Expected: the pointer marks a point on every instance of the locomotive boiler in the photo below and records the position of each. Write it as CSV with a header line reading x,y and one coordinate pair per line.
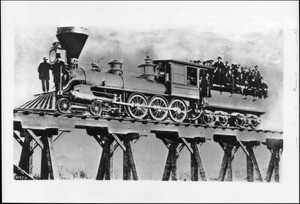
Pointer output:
x,y
166,89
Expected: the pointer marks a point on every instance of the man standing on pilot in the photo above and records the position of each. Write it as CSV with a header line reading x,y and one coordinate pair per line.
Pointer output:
x,y
43,71
58,71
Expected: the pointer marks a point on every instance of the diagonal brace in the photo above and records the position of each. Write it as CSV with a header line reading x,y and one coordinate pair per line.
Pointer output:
x,y
119,141
35,138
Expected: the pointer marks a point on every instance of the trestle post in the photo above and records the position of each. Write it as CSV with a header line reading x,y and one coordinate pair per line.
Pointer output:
x,y
229,143
109,143
275,146
26,158
105,170
49,168
230,146
252,165
171,163
196,162
175,144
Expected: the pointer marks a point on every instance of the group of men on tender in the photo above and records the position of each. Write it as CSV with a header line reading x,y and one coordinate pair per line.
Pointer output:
x,y
237,77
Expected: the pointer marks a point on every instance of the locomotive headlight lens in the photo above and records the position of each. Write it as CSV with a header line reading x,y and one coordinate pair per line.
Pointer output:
x,y
52,56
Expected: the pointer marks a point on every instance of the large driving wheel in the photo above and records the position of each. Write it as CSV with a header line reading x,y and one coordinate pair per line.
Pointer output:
x,y
137,108
177,110
158,110
63,105
96,108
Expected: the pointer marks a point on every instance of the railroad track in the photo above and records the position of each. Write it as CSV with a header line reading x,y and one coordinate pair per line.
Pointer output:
x,y
55,113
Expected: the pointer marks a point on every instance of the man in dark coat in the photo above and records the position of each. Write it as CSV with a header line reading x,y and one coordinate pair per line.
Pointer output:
x,y
264,88
205,86
58,71
43,71
219,73
230,78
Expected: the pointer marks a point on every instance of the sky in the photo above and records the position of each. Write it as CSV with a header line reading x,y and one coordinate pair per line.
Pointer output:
x,y
248,33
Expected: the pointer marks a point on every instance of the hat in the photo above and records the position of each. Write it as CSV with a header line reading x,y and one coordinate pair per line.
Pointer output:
x,y
255,66
219,57
45,58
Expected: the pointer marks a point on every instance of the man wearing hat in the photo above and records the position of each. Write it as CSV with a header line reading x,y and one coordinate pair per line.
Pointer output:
x,y
43,70
58,71
219,72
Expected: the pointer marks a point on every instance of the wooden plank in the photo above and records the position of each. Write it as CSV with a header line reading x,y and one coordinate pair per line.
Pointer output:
x,y
126,166
131,161
250,173
168,166
187,145
48,101
116,146
236,148
35,138
18,138
270,169
276,165
109,163
52,159
223,168
43,105
101,168
30,103
118,141
254,162
44,161
229,162
37,102
165,142
199,162
181,147
25,104
98,140
194,166
40,105
243,148
174,161
60,134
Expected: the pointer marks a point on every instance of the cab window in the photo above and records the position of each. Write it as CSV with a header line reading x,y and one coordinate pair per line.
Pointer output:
x,y
191,76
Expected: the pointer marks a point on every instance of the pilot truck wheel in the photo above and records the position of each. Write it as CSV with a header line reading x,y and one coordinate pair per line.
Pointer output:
x,y
63,105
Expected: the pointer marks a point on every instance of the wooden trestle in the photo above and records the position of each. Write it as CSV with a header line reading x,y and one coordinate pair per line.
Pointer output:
x,y
42,129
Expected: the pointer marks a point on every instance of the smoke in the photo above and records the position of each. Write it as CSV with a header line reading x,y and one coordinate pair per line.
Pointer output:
x,y
262,48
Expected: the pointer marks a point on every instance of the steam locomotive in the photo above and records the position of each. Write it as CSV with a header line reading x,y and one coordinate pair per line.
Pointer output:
x,y
167,89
